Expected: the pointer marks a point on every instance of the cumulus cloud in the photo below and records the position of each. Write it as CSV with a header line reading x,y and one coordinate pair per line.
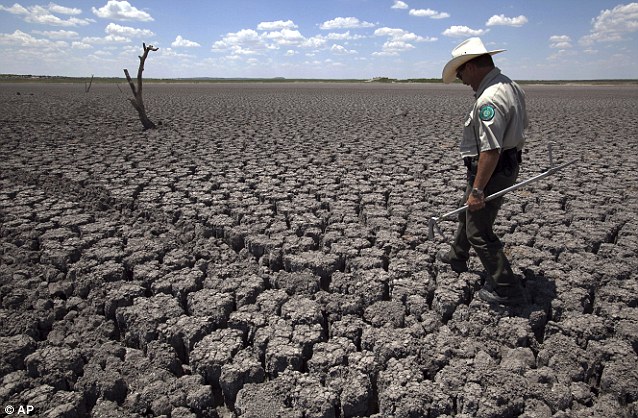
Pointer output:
x,y
501,20
184,43
16,9
562,55
463,31
121,10
560,42
242,43
345,36
613,25
285,37
393,48
58,34
19,38
345,23
314,42
245,37
399,40
397,34
127,32
252,42
45,14
106,40
341,50
80,45
398,4
277,25
56,8
115,34
432,14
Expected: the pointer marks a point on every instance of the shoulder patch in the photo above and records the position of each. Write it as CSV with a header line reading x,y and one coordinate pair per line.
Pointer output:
x,y
486,112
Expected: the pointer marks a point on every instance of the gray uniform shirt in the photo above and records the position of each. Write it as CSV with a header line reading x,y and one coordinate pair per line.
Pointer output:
x,y
497,119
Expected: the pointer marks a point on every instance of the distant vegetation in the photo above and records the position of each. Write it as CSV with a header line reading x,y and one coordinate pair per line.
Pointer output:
x,y
62,79
382,80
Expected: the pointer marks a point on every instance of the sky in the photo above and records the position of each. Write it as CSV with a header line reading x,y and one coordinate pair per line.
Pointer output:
x,y
327,39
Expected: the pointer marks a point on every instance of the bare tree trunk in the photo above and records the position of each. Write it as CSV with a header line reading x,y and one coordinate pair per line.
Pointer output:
x,y
87,88
137,101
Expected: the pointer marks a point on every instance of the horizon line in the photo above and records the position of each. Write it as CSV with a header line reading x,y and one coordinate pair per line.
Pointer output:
x,y
34,77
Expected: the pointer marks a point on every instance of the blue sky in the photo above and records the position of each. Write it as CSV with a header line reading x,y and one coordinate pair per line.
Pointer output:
x,y
545,39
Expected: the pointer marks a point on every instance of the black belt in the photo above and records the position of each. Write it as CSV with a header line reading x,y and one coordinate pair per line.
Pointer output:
x,y
508,158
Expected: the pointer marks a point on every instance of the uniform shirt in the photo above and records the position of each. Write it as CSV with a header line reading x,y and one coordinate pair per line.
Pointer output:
x,y
498,117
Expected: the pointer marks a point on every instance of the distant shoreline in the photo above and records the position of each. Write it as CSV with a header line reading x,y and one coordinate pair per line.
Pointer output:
x,y
16,78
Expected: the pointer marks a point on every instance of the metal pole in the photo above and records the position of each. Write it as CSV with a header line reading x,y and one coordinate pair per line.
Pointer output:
x,y
432,224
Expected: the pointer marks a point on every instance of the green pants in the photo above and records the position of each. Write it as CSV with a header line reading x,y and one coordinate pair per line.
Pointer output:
x,y
475,230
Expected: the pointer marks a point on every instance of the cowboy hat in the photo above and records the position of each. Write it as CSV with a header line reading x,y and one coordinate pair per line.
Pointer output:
x,y
464,52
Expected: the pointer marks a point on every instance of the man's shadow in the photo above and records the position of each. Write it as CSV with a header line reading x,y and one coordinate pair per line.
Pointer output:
x,y
540,290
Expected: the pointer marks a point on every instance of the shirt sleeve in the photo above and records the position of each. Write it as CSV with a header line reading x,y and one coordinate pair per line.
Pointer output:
x,y
491,125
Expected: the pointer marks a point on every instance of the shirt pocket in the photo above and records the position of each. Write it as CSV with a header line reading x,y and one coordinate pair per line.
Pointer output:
x,y
468,144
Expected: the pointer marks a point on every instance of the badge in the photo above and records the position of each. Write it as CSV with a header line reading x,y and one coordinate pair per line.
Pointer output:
x,y
486,113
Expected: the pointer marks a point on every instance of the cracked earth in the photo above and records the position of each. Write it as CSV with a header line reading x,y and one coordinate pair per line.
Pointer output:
x,y
264,253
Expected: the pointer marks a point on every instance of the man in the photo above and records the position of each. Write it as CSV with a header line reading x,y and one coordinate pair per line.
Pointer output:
x,y
491,150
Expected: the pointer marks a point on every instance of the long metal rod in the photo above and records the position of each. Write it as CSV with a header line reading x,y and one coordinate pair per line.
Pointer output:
x,y
551,170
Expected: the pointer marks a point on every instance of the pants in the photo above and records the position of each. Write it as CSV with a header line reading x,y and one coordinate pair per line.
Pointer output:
x,y
475,230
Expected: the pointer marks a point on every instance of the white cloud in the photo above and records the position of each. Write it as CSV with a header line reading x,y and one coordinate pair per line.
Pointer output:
x,y
243,42
107,40
102,53
276,25
501,20
399,40
314,42
44,14
394,48
341,50
345,36
396,34
345,23
22,39
285,37
245,36
121,10
562,55
127,32
291,53
463,31
560,42
115,34
183,43
169,53
398,4
58,34
613,25
55,8
433,14
80,45
250,42
16,9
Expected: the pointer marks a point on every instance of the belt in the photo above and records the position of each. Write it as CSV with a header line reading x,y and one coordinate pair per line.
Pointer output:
x,y
507,157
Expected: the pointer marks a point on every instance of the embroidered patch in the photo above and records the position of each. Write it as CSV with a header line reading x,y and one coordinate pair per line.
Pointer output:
x,y
486,113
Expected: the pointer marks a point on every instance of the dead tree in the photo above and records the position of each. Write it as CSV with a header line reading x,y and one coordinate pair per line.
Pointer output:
x,y
137,101
88,87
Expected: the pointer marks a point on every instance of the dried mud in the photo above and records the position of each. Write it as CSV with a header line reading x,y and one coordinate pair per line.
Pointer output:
x,y
264,253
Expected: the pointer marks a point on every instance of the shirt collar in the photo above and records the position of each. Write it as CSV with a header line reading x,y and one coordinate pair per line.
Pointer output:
x,y
487,81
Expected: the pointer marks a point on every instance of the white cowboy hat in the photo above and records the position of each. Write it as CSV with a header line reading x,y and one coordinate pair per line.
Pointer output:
x,y
465,51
